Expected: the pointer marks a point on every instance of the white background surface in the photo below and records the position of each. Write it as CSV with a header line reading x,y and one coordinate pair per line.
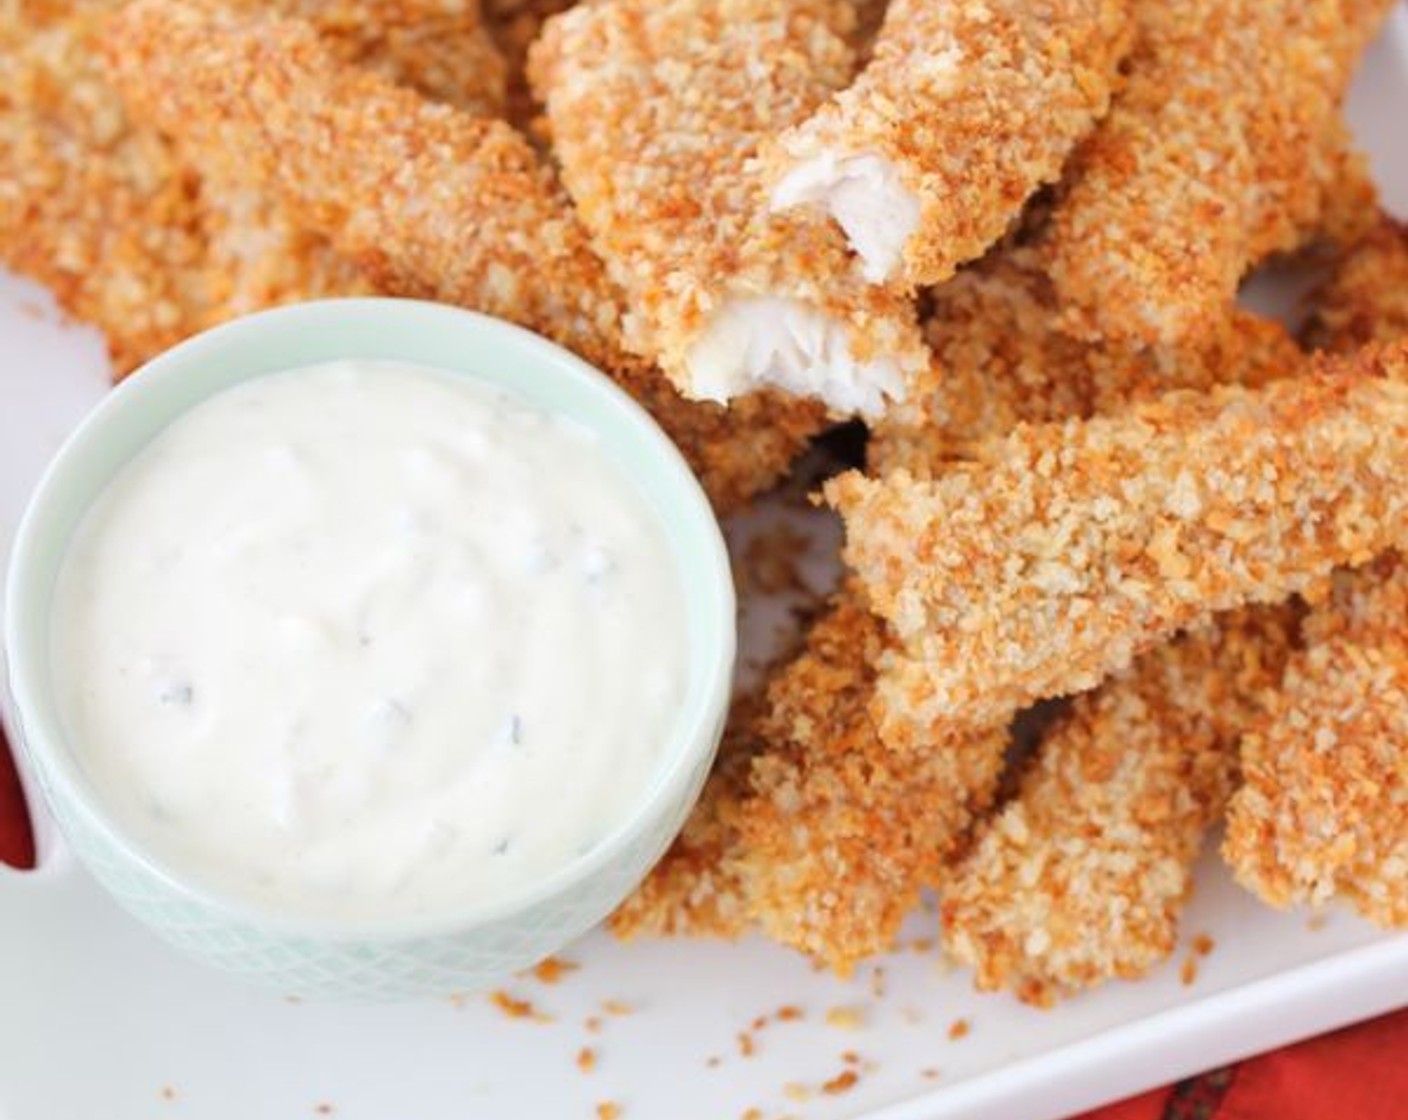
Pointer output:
x,y
99,1021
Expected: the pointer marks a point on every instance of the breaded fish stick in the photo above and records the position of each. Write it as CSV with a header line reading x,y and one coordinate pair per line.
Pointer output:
x,y
837,833
1065,550
129,237
1365,299
432,201
966,108
656,108
1211,158
1324,807
429,200
1082,876
1000,360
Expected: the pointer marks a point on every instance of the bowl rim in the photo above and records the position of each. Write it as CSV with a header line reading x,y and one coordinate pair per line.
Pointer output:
x,y
693,737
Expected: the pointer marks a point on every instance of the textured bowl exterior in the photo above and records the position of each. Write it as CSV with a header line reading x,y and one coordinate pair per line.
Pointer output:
x,y
371,969
392,959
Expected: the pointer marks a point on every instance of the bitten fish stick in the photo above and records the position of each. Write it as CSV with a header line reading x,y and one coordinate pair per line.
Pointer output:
x,y
429,200
1065,550
656,108
838,833
1082,876
1212,157
966,108
1324,807
1000,359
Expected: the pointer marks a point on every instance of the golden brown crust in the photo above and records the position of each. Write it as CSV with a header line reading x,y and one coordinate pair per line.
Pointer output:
x,y
1365,299
1213,156
976,103
1063,551
656,108
1324,809
838,834
1000,360
1082,876
441,48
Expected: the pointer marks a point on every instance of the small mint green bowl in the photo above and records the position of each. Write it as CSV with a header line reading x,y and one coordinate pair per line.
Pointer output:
x,y
395,956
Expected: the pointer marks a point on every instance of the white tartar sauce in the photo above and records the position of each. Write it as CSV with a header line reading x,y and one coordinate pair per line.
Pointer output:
x,y
369,639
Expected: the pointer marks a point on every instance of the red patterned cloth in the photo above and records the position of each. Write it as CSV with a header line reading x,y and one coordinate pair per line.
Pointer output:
x,y
1358,1073
16,843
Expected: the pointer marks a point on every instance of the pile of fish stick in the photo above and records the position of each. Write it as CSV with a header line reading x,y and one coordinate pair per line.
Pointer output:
x,y
1005,238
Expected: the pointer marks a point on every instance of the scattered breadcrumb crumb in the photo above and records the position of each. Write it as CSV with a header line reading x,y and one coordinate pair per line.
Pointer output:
x,y
796,1091
586,1059
843,1082
551,970
849,1018
1203,944
746,1046
929,1074
1188,971
958,1029
168,1093
608,1110
516,1008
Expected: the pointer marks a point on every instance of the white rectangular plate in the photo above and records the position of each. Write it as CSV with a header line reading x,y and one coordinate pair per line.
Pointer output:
x,y
98,1020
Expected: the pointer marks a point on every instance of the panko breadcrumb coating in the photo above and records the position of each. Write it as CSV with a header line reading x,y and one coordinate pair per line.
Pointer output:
x,y
837,833
1065,550
1324,807
656,108
442,48
966,108
429,200
1082,876
1365,299
1000,360
1212,157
